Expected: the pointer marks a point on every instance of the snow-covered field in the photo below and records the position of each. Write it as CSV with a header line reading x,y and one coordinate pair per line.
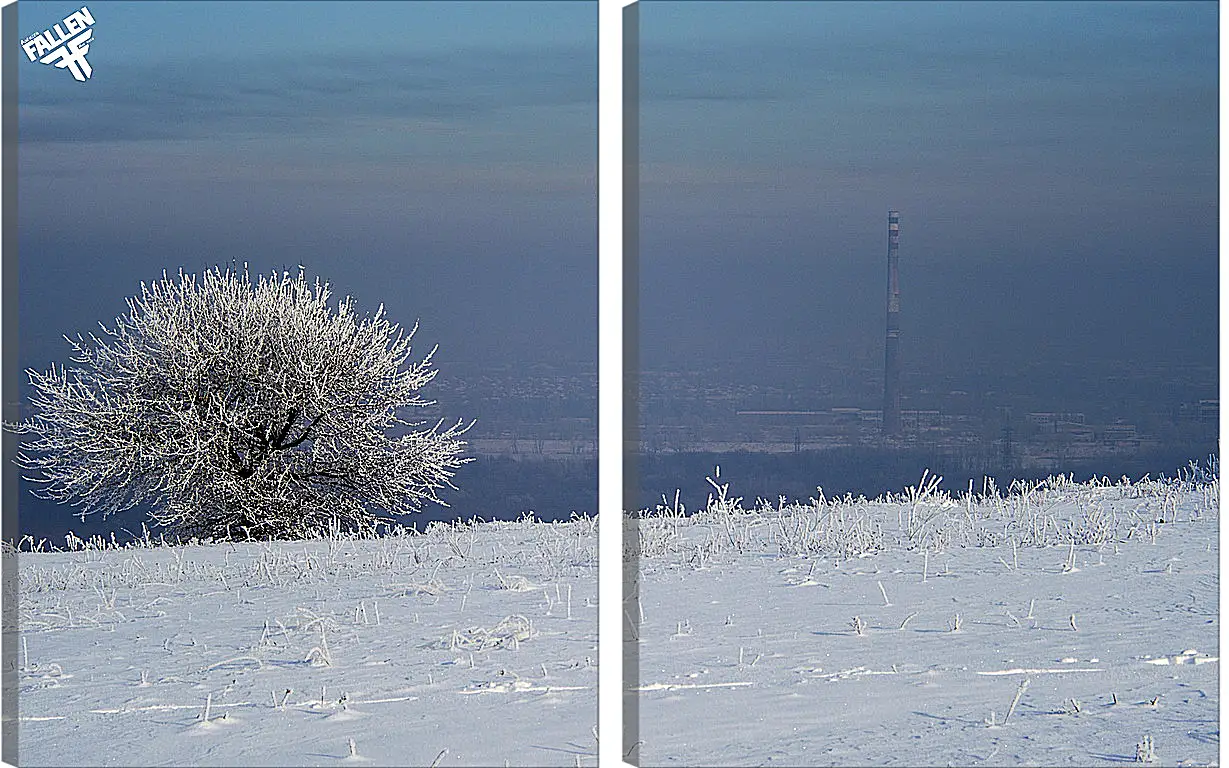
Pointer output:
x,y
465,645
1054,624
900,631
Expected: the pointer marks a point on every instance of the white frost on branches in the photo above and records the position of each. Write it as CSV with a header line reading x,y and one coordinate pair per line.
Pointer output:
x,y
235,408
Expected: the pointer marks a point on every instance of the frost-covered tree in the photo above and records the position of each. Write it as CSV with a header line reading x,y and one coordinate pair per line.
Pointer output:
x,y
236,408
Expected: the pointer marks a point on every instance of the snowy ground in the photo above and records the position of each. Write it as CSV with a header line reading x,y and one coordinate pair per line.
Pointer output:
x,y
466,645
842,632
826,634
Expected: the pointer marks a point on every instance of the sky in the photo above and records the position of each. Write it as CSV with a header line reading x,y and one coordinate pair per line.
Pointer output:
x,y
439,157
1055,165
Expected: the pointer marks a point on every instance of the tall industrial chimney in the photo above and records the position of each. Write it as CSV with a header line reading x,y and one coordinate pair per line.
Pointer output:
x,y
891,367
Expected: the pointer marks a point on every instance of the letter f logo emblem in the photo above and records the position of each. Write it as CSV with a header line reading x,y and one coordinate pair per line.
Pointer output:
x,y
71,55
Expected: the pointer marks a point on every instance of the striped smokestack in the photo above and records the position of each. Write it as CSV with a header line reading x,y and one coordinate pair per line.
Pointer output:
x,y
891,368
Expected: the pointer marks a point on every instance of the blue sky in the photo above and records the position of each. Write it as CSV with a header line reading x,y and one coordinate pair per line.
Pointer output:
x,y
439,157
1055,165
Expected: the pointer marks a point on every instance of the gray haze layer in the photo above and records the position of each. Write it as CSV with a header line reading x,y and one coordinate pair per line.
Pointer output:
x,y
437,157
1055,165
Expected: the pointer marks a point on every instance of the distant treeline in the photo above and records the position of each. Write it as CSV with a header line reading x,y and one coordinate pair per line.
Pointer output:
x,y
489,488
501,488
869,472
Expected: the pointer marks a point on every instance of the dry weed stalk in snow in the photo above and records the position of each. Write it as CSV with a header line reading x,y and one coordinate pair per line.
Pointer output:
x,y
1145,751
925,519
